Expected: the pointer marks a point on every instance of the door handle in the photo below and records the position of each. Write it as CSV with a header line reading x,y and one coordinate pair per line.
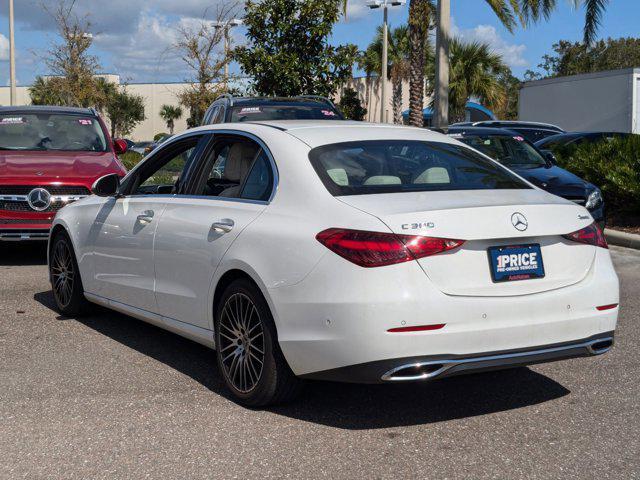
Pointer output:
x,y
146,216
223,226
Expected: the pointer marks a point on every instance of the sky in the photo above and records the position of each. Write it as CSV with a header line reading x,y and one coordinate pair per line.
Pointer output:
x,y
134,38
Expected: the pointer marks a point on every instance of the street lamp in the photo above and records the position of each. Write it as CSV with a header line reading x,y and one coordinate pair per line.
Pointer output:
x,y
384,4
234,22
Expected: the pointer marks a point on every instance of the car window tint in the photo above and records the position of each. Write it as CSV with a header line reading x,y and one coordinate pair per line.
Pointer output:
x,y
252,113
259,181
227,168
390,166
44,131
168,170
510,151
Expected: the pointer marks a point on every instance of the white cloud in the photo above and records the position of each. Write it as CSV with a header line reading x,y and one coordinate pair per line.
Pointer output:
x,y
512,54
146,53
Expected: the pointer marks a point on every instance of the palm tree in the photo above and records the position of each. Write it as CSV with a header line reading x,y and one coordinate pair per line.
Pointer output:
x,y
474,71
509,12
368,61
169,114
398,58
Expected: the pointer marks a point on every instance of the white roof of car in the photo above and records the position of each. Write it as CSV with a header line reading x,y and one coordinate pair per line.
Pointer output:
x,y
322,132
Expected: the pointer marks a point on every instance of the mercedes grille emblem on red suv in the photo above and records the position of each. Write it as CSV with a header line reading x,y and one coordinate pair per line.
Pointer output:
x,y
39,199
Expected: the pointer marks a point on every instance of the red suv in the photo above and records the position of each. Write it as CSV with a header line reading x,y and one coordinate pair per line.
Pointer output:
x,y
49,157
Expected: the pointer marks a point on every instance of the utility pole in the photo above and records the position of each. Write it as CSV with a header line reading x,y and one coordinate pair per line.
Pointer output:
x,y
441,103
384,4
12,57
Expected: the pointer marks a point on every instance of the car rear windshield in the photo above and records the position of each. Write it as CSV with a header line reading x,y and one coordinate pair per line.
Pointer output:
x,y
51,131
510,151
252,113
391,166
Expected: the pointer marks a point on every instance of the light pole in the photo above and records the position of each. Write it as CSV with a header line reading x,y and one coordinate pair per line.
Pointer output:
x,y
12,57
234,22
441,101
384,4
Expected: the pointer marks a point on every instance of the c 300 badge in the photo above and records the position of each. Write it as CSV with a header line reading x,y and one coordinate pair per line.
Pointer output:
x,y
417,226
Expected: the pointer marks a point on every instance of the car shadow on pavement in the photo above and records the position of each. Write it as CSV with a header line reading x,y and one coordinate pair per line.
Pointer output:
x,y
345,406
23,253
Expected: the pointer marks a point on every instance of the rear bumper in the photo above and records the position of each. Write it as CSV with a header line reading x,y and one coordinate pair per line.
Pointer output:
x,y
332,322
433,367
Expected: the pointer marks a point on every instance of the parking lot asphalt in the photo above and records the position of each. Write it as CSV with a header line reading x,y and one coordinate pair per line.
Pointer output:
x,y
107,396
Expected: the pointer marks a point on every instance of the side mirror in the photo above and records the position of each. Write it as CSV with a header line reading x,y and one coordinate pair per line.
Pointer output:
x,y
119,146
106,186
551,158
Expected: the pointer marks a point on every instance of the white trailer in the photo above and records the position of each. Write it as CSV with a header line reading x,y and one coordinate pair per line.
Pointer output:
x,y
603,101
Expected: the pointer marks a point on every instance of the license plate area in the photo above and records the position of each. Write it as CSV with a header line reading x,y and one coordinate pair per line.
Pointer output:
x,y
510,263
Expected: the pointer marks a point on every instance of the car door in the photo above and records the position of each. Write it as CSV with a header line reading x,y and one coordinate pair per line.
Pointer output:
x,y
124,229
233,184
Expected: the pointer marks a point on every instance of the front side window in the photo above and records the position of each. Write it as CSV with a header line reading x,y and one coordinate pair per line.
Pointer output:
x,y
163,172
510,151
51,131
391,166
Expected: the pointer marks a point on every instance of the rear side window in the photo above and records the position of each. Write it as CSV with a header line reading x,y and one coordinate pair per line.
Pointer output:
x,y
391,166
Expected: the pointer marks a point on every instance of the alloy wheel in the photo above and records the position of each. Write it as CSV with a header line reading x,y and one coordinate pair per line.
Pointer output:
x,y
62,273
242,344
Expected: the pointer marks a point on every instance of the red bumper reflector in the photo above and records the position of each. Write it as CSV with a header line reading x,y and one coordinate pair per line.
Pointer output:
x,y
417,328
607,307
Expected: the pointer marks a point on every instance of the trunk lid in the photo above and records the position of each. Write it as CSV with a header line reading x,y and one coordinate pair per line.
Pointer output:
x,y
483,218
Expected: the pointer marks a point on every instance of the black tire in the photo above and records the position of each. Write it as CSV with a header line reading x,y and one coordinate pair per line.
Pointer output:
x,y
240,345
64,276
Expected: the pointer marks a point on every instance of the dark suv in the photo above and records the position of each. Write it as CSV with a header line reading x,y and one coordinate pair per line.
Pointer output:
x,y
532,131
228,108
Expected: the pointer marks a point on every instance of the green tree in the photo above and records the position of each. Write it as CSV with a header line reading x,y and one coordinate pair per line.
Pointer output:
x,y
474,71
170,113
70,59
289,51
509,12
47,91
201,46
507,107
351,106
124,111
369,62
421,20
398,63
572,58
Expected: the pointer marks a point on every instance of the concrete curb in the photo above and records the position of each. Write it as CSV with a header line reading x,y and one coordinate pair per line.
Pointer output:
x,y
622,239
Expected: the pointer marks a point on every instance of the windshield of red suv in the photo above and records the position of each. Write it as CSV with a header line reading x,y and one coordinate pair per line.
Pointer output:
x,y
252,113
51,131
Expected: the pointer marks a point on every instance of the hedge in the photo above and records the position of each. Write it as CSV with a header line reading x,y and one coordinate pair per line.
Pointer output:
x,y
130,159
612,165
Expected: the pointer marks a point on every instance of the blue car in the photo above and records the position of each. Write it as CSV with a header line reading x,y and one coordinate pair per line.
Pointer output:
x,y
515,152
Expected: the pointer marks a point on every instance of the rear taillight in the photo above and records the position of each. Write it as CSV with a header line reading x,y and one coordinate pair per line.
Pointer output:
x,y
376,249
591,235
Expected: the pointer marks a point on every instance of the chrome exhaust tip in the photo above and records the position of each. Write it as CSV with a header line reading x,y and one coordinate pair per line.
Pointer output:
x,y
416,371
429,370
598,347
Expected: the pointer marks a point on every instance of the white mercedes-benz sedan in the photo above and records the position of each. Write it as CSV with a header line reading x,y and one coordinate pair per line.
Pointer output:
x,y
339,251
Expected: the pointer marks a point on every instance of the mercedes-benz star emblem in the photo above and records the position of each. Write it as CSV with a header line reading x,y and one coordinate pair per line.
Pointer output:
x,y
39,199
519,221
